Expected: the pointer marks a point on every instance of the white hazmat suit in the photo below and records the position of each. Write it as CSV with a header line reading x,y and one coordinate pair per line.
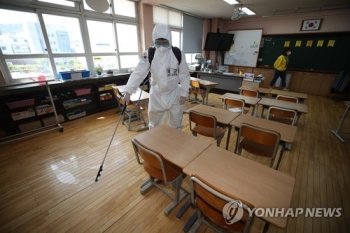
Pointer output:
x,y
169,81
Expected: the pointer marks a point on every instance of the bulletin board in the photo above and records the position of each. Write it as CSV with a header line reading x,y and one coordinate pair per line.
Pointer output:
x,y
244,49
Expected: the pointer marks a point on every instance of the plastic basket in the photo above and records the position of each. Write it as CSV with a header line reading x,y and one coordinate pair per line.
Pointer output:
x,y
82,91
21,103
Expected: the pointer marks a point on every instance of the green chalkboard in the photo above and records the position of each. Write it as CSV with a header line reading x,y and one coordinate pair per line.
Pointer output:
x,y
322,58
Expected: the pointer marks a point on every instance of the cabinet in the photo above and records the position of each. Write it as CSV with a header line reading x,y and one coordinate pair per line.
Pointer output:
x,y
27,107
31,111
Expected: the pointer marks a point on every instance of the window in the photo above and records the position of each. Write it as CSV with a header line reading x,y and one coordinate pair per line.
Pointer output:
x,y
125,8
73,39
100,43
175,36
21,36
127,38
164,16
59,2
68,34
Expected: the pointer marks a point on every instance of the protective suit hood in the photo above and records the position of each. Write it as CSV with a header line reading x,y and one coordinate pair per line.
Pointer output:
x,y
162,31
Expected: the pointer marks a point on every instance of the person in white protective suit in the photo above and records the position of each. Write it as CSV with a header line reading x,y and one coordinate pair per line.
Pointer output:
x,y
169,82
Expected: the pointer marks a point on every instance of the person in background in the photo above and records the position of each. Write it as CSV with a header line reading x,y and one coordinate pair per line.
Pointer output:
x,y
280,66
170,81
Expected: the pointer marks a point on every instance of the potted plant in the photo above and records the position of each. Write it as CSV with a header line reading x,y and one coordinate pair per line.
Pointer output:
x,y
99,69
110,72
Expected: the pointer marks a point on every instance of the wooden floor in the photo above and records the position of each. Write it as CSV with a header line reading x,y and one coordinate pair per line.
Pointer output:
x,y
47,182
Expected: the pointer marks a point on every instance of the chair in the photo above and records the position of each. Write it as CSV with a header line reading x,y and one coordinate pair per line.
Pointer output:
x,y
211,206
160,170
133,111
205,125
283,115
234,105
249,92
258,141
287,98
195,89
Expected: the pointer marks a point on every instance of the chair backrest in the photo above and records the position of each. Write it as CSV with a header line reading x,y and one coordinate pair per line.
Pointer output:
x,y
119,96
213,204
208,122
154,164
283,115
287,98
195,84
249,92
202,119
259,141
236,104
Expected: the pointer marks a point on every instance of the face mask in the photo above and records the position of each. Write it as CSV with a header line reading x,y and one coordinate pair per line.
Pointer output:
x,y
289,53
162,49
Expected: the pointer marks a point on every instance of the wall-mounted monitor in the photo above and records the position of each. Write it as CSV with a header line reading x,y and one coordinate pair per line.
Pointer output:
x,y
218,41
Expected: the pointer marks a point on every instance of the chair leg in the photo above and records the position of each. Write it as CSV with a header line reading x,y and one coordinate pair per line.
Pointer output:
x,y
197,224
147,185
194,133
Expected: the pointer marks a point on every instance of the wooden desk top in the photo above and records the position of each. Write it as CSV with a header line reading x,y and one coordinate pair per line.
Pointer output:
x,y
222,116
259,89
248,99
287,131
177,147
289,93
245,180
205,82
134,97
301,108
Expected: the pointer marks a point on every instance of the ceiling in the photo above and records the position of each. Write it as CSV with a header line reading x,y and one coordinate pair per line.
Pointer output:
x,y
220,9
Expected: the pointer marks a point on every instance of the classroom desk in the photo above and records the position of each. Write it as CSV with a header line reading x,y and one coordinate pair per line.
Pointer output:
x,y
298,95
287,132
261,90
177,147
208,85
245,180
247,99
347,103
223,117
299,108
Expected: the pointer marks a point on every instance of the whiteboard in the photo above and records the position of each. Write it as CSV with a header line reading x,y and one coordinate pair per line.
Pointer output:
x,y
244,49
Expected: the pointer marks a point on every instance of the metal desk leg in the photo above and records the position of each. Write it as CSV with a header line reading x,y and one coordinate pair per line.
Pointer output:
x,y
236,146
281,154
228,136
340,124
191,221
266,227
183,208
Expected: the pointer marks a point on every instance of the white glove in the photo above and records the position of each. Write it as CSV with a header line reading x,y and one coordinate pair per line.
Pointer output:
x,y
126,98
182,100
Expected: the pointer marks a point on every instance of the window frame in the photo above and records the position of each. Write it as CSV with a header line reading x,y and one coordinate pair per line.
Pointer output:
x,y
40,8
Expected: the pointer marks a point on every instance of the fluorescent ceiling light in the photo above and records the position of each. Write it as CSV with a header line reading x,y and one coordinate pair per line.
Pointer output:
x,y
231,2
247,11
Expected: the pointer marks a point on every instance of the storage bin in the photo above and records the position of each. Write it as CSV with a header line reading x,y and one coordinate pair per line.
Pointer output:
x,y
43,109
76,114
47,121
74,75
23,114
82,91
21,103
30,126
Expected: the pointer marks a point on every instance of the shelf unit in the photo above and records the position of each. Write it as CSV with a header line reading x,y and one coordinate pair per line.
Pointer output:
x,y
54,94
18,114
